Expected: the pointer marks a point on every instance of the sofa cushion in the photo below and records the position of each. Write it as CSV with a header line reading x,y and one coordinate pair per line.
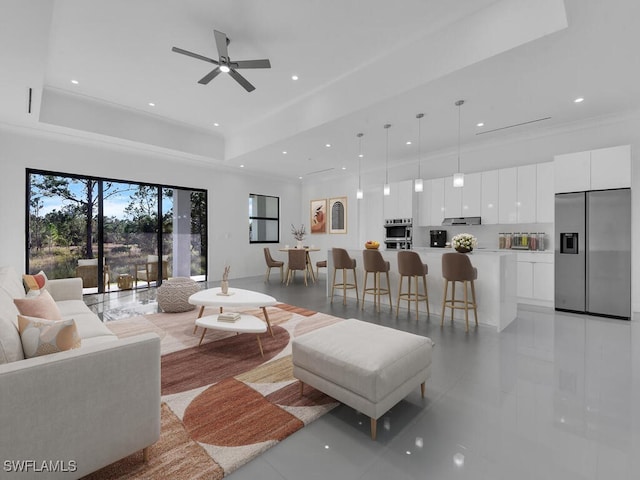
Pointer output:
x,y
11,283
34,283
42,306
42,337
10,343
89,325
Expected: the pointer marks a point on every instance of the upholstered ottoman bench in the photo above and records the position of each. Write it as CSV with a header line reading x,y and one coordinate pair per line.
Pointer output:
x,y
365,366
173,295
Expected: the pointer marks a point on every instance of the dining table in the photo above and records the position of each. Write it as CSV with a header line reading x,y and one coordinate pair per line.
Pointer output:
x,y
309,264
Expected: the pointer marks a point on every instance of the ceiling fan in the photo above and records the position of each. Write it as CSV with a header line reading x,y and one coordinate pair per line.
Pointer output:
x,y
224,63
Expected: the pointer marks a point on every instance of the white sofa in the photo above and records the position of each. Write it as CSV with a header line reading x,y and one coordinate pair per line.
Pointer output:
x,y
73,412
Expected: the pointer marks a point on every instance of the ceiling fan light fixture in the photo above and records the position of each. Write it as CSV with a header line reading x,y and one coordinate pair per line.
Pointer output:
x,y
224,69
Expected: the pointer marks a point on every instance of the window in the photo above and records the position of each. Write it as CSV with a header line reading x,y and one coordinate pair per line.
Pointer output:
x,y
264,219
103,230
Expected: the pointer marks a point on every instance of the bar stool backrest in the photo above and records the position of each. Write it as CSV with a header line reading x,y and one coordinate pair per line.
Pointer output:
x,y
410,264
373,261
457,267
341,259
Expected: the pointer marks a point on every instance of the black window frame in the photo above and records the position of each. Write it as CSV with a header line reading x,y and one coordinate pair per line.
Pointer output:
x,y
257,217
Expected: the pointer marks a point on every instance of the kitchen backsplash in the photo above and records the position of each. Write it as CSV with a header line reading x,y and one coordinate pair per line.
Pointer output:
x,y
488,235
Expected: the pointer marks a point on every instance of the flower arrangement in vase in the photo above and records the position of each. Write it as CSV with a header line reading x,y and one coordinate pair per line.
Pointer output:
x,y
464,242
224,284
298,234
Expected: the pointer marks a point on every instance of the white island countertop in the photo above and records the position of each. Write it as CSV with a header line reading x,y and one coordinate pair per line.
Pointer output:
x,y
495,286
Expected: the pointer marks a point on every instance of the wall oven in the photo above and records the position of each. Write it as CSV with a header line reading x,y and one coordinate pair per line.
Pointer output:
x,y
398,233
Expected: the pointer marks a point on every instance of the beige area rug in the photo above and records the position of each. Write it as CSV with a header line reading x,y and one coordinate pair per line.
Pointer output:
x,y
223,404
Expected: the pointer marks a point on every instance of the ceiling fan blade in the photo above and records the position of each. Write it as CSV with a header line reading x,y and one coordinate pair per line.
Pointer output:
x,y
264,63
221,44
209,76
241,80
194,55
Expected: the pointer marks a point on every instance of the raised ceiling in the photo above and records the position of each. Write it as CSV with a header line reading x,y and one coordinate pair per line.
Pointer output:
x,y
360,65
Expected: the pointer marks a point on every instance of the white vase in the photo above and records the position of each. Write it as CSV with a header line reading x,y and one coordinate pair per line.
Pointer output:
x,y
299,244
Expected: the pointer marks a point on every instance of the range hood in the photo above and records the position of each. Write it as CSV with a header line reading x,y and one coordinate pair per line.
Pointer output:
x,y
461,221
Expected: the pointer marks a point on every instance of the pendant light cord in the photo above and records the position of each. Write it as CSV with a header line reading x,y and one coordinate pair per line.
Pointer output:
x,y
459,105
419,117
386,164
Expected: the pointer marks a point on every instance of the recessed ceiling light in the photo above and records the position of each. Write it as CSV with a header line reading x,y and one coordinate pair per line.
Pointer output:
x,y
328,145
75,82
361,155
284,152
299,178
241,166
480,124
408,142
294,77
344,168
151,104
216,124
579,100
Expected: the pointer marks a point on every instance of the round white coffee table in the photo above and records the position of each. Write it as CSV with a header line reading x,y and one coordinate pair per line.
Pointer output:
x,y
245,324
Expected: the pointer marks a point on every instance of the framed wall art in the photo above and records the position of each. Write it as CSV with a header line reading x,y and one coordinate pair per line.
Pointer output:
x,y
338,215
318,213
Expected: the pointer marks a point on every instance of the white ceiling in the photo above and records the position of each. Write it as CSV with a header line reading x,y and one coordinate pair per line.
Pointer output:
x,y
361,64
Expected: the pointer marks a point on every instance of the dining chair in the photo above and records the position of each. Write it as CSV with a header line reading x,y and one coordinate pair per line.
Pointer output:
x,y
271,263
297,261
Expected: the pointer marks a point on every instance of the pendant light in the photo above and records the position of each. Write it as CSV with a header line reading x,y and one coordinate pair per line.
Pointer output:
x,y
458,177
387,187
417,185
359,193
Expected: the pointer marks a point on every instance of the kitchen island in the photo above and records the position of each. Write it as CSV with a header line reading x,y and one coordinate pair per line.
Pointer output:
x,y
495,286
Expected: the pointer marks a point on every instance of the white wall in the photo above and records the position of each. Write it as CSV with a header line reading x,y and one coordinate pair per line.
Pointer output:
x,y
228,192
520,149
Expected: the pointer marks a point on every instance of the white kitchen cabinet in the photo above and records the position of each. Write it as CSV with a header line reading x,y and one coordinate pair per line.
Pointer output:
x,y
545,193
525,279
572,172
471,195
399,203
452,199
526,194
437,201
371,208
535,272
424,204
543,281
405,199
611,168
489,197
507,195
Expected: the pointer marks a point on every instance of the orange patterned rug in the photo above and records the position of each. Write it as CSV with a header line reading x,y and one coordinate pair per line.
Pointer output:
x,y
223,403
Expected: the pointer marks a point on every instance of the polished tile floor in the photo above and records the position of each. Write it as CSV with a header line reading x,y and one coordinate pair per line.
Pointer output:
x,y
554,396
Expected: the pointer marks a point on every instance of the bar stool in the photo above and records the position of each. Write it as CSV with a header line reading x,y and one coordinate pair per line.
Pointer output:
x,y
410,265
342,261
374,263
456,267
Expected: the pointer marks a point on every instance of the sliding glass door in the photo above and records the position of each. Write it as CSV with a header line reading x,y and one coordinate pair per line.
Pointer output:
x,y
114,234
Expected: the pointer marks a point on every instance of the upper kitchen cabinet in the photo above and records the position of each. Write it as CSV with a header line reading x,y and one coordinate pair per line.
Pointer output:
x,y
572,172
545,190
489,197
471,195
611,168
399,203
526,194
452,199
371,211
424,205
507,195
600,169
437,201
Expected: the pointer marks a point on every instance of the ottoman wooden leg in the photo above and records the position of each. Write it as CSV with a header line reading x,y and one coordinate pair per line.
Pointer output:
x,y
145,454
374,428
422,389
301,388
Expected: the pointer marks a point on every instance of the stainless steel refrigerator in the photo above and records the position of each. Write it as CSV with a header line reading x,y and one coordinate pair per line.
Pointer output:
x,y
593,252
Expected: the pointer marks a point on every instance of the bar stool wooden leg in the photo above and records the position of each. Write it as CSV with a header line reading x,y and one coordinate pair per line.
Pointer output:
x,y
389,292
399,293
364,289
417,295
426,293
333,283
453,298
466,307
355,282
475,305
444,301
344,286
